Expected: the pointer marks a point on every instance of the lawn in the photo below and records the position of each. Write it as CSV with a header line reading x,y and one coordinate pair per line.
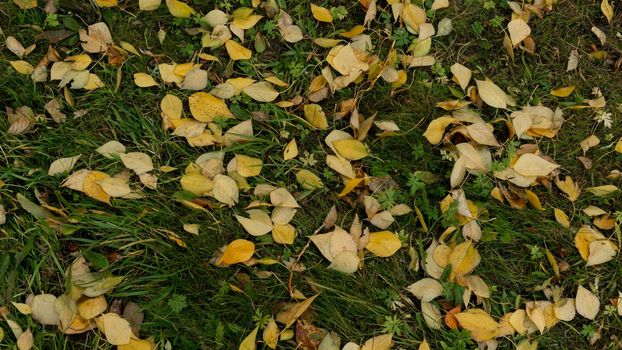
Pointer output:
x,y
501,211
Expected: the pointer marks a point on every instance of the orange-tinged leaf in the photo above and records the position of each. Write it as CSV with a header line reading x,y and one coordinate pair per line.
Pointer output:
x,y
479,323
321,14
237,251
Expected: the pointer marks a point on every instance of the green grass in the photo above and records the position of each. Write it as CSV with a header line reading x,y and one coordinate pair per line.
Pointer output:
x,y
35,256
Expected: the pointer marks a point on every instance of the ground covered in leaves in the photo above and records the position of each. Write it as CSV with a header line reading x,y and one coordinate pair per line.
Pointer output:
x,y
374,175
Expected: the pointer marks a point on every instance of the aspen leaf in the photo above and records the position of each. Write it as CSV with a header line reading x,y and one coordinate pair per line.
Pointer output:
x,y
196,183
346,262
519,30
291,314
603,190
321,14
42,308
340,165
308,180
461,75
479,323
491,94
225,190
291,150
607,10
62,165
589,142
261,91
436,129
601,251
530,164
89,308
206,107
271,334
431,315
237,52
351,149
26,5
248,166
115,187
282,198
15,46
284,234
383,243
569,187
464,258
22,67
139,162
250,342
426,289
25,341
237,251
179,9
315,116
137,344
91,188
258,224
116,329
149,5
106,3
380,342
563,91
561,218
586,303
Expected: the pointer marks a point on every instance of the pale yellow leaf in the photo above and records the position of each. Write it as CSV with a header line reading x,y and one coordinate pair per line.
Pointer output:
x,y
148,5
271,334
116,329
106,3
291,150
607,10
530,164
519,30
586,303
22,67
561,218
261,91
491,94
315,116
461,75
250,342
380,342
293,312
603,190
426,289
248,166
351,149
63,165
225,190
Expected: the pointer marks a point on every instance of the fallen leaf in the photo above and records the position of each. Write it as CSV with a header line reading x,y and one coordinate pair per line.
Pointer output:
x,y
207,108
291,314
237,251
179,9
249,342
321,14
519,30
380,342
530,164
479,323
426,289
607,10
237,52
587,304
563,91
491,94
62,165
383,243
116,329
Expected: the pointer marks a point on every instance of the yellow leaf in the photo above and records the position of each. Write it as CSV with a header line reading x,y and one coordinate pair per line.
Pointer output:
x,y
106,3
350,185
139,162
321,14
245,22
25,340
569,187
424,344
519,30
479,323
308,180
603,190
561,218
282,198
92,189
237,51
315,116
340,165
619,146
291,150
147,5
89,308
351,149
326,43
116,329
63,165
291,314
533,200
249,343
179,9
383,243
356,30
25,5
137,344
563,91
22,67
248,166
589,142
196,183
207,108
464,258
284,234
80,62
237,251
435,131
607,10
553,262
144,80
491,94
271,334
